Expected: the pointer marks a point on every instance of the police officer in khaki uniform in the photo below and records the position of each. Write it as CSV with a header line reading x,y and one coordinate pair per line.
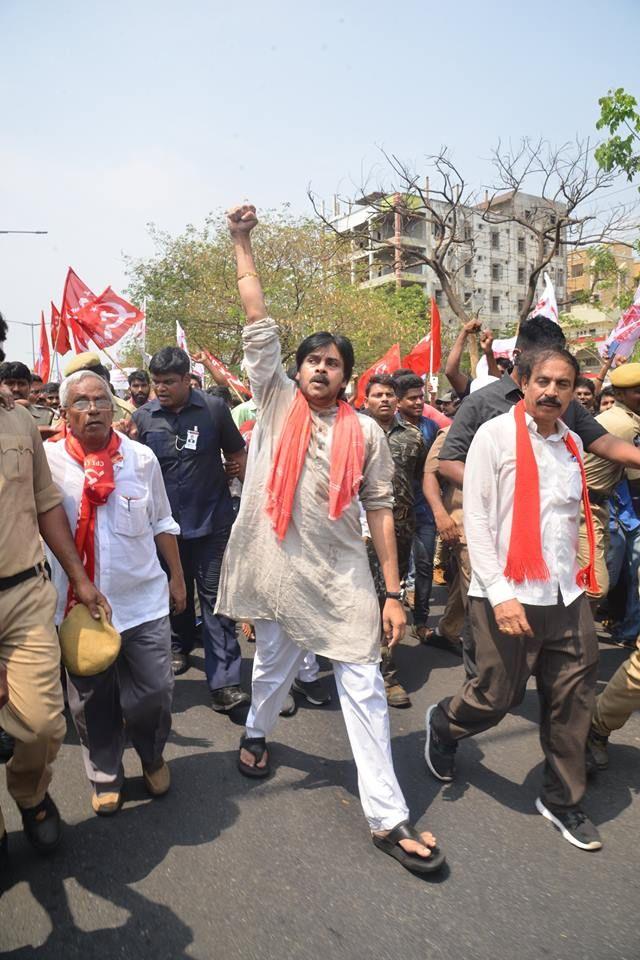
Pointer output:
x,y
122,409
623,421
31,702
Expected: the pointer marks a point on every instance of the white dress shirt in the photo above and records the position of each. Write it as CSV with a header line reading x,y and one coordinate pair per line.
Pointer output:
x,y
488,493
128,571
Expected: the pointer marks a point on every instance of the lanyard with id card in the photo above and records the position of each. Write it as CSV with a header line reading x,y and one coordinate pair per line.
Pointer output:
x,y
191,442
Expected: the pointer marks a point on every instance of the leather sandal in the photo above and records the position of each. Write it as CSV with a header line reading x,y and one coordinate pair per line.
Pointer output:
x,y
257,747
410,861
43,834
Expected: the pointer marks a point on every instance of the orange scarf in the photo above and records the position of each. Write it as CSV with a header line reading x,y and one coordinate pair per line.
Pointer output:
x,y
99,484
345,473
525,560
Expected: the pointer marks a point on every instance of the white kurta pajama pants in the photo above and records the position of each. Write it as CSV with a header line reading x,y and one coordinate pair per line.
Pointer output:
x,y
364,708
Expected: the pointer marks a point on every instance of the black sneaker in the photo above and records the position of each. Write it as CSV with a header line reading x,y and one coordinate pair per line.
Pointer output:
x,y
597,750
440,756
573,824
44,834
314,692
228,698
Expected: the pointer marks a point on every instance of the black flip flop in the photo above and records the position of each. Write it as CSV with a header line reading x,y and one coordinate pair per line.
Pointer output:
x,y
410,861
257,747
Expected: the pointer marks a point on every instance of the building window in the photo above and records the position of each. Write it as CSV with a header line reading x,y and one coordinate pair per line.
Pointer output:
x,y
521,275
577,270
520,306
495,304
438,297
560,275
496,271
468,231
527,214
553,219
520,244
467,298
495,240
467,269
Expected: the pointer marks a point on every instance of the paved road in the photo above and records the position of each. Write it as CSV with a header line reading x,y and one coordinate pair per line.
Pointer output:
x,y
225,868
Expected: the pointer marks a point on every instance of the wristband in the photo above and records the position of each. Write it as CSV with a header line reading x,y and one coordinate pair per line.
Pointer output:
x,y
249,273
392,595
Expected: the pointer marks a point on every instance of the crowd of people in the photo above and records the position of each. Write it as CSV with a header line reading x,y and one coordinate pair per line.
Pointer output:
x,y
178,517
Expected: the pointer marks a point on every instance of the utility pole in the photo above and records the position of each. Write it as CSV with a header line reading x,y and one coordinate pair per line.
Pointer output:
x,y
21,323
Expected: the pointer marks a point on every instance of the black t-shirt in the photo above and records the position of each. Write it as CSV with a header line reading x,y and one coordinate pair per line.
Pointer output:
x,y
497,398
195,479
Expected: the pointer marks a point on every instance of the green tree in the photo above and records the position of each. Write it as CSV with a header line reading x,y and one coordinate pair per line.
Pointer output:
x,y
305,271
619,112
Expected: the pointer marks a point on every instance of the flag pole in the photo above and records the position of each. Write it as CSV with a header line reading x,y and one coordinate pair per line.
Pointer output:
x,y
113,360
229,384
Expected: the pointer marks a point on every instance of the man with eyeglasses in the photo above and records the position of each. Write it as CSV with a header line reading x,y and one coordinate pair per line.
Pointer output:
x,y
188,430
117,506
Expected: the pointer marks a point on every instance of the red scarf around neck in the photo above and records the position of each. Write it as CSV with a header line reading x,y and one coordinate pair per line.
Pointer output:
x,y
345,473
525,560
99,484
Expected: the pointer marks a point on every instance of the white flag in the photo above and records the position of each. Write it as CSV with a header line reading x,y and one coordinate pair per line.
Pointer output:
x,y
181,338
546,305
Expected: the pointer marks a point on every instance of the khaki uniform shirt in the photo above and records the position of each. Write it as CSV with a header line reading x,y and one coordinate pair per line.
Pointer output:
x,y
122,409
26,489
451,495
43,416
316,583
603,475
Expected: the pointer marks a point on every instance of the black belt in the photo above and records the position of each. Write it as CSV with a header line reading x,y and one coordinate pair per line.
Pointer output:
x,y
598,498
7,582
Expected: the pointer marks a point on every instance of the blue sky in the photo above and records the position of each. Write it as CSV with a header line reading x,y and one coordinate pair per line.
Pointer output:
x,y
115,114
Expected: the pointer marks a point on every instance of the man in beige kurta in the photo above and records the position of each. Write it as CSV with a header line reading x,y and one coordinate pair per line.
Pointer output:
x,y
312,589
316,583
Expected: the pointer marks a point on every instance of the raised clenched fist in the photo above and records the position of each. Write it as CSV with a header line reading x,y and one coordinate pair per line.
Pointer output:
x,y
242,219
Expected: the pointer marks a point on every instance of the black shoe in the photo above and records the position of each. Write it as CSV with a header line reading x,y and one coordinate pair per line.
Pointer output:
x,y
45,834
440,756
289,707
313,691
179,662
7,744
573,824
228,698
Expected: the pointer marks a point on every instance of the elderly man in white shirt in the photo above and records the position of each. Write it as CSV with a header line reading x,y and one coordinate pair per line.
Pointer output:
x,y
117,506
523,485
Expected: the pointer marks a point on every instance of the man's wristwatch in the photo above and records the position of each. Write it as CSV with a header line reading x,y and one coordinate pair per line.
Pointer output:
x,y
391,595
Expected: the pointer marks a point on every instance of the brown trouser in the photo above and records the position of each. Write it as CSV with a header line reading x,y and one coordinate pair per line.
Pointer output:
x,y
620,697
30,651
600,514
563,656
452,620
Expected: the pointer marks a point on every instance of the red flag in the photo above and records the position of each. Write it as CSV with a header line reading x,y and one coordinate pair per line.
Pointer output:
x,y
386,364
76,296
232,380
426,356
43,363
107,318
59,332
